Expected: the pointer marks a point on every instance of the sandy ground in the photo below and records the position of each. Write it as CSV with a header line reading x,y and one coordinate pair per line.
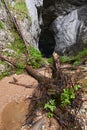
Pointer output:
x,y
12,100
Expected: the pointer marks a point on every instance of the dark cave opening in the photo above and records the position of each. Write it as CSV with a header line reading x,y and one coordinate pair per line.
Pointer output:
x,y
46,43
46,40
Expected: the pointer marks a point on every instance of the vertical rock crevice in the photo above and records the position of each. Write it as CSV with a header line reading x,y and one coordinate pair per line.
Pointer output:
x,y
47,41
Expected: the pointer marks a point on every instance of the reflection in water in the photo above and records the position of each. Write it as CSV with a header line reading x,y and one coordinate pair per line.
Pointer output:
x,y
14,115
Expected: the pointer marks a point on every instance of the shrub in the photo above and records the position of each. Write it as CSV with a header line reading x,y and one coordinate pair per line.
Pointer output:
x,y
35,58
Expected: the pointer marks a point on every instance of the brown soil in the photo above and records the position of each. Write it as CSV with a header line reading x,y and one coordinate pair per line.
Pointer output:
x,y
13,106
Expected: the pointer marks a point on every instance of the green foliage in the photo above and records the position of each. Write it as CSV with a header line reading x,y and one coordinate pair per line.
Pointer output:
x,y
68,94
66,97
50,114
18,44
21,6
35,58
65,59
76,60
20,66
75,63
77,87
6,73
1,25
50,106
20,10
50,60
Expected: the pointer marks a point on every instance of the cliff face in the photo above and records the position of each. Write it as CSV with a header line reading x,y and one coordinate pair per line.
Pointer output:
x,y
68,21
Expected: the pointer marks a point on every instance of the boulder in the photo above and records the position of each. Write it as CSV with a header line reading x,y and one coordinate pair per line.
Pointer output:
x,y
70,31
35,12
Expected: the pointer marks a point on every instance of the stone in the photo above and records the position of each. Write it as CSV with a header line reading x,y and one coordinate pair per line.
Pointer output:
x,y
36,18
70,31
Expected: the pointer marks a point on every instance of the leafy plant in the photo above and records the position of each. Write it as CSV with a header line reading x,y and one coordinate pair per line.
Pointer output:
x,y
35,58
77,87
68,94
50,106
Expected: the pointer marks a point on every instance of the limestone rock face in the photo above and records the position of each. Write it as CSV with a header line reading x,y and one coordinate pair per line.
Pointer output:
x,y
70,27
35,12
63,24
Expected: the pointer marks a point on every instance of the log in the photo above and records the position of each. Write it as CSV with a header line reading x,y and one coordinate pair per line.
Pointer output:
x,y
34,73
56,66
7,60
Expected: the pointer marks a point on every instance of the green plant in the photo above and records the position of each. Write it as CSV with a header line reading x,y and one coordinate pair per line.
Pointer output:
x,y
75,60
5,73
68,94
50,60
35,58
76,63
20,68
20,9
1,25
50,106
77,87
65,59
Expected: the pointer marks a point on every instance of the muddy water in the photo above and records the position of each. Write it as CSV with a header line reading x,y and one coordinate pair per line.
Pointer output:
x,y
13,115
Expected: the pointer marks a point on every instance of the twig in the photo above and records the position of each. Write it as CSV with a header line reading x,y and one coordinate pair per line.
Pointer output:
x,y
20,84
7,60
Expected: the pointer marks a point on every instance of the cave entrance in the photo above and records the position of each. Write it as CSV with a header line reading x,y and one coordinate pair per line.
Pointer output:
x,y
46,43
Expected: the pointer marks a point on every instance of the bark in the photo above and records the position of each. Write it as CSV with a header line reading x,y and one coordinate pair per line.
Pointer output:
x,y
7,60
56,66
34,73
39,77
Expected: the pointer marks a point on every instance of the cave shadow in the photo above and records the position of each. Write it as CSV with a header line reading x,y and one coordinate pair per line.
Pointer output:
x,y
46,43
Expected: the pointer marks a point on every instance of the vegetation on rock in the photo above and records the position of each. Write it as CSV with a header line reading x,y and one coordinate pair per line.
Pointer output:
x,y
35,58
1,25
75,60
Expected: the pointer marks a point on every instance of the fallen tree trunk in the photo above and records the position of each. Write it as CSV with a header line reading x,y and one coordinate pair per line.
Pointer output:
x,y
34,73
39,77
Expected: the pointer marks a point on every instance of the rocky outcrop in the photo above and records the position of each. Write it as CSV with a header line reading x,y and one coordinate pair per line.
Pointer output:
x,y
35,12
49,25
70,31
67,20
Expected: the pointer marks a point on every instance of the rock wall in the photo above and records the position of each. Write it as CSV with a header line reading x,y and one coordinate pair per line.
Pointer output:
x,y
63,20
35,12
70,26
